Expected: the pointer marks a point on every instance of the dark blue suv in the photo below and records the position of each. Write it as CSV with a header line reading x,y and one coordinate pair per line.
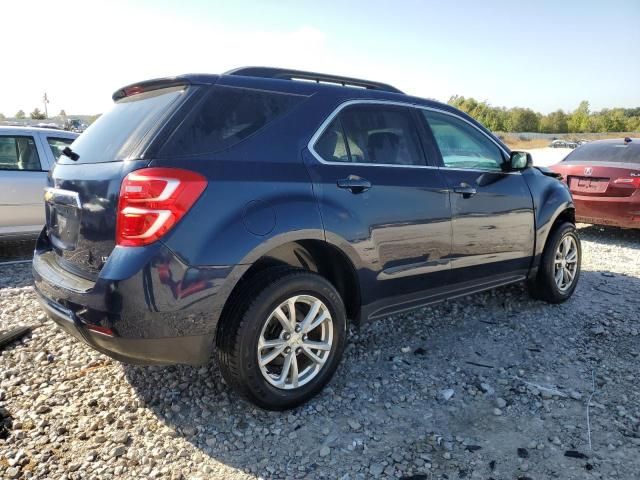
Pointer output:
x,y
258,212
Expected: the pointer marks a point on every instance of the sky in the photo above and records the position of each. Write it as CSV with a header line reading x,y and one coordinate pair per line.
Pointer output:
x,y
539,54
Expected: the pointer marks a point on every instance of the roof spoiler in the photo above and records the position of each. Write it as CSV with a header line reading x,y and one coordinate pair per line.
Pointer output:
x,y
287,74
148,86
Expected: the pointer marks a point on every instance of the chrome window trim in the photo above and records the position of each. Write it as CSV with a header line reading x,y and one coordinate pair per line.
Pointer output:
x,y
323,126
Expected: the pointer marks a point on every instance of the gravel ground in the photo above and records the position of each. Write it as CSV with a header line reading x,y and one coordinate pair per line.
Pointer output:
x,y
494,385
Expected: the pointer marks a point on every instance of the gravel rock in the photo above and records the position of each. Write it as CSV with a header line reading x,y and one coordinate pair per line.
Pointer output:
x,y
447,394
12,472
120,437
486,388
376,469
354,424
118,451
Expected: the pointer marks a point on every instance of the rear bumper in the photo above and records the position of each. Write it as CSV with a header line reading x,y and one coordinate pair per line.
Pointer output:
x,y
193,350
615,211
159,310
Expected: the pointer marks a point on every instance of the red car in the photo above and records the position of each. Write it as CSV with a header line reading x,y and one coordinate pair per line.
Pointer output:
x,y
604,179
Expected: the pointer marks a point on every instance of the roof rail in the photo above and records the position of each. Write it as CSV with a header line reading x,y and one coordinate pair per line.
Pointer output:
x,y
284,73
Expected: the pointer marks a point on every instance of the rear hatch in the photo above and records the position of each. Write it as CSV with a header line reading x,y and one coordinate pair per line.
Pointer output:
x,y
603,169
81,200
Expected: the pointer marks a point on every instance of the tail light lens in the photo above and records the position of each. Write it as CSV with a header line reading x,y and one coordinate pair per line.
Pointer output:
x,y
152,200
632,182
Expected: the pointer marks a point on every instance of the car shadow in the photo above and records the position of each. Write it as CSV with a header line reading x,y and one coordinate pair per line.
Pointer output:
x,y
16,250
386,396
624,237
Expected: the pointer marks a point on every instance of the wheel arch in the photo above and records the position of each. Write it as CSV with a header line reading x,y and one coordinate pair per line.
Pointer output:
x,y
565,212
311,254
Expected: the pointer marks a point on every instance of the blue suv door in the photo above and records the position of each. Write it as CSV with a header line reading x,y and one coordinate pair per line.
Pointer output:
x,y
492,210
381,202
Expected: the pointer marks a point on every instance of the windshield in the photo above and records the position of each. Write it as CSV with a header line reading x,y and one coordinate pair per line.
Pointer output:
x,y
114,135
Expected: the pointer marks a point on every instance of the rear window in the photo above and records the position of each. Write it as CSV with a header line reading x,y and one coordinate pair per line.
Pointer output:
x,y
114,135
606,152
227,116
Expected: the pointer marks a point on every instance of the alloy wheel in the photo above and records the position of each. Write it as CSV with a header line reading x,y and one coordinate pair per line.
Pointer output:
x,y
295,342
566,263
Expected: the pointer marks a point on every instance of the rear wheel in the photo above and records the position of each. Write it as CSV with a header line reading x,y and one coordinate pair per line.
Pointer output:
x,y
559,269
283,340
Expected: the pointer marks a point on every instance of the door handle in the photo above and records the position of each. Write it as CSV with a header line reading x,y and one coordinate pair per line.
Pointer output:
x,y
355,184
466,190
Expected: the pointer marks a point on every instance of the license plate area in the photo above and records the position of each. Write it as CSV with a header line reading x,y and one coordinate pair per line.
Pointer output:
x,y
588,184
63,214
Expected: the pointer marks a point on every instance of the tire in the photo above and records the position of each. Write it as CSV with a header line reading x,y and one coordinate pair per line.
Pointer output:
x,y
544,286
252,321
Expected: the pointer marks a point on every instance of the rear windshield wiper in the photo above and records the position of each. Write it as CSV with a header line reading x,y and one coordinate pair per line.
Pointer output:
x,y
67,152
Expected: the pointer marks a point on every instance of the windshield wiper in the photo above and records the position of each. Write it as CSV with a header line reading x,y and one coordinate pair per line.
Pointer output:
x,y
67,152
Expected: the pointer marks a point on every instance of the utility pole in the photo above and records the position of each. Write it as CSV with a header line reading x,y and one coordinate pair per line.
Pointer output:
x,y
45,100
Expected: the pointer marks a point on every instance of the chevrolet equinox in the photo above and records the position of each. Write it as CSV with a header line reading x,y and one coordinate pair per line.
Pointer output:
x,y
256,213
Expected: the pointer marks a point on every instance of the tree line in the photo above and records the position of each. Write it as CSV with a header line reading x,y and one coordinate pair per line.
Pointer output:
x,y
581,120
20,115
517,119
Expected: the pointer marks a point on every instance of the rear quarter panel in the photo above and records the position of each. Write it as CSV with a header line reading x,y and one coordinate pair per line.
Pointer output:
x,y
248,207
259,196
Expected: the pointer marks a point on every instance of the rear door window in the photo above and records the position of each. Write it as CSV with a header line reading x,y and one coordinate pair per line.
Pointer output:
x,y
372,134
57,145
19,153
226,117
115,135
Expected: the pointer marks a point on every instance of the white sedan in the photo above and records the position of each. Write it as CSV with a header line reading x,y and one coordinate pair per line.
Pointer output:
x,y
26,155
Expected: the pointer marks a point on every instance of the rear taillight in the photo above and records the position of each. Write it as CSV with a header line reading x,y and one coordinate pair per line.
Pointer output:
x,y
632,182
152,200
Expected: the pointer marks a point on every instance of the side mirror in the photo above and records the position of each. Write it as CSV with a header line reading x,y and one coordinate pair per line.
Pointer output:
x,y
520,161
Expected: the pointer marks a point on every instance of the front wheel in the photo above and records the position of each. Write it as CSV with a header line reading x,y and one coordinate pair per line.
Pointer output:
x,y
284,345
559,270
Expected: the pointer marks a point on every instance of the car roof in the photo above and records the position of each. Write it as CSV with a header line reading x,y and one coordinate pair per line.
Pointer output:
x,y
338,88
244,77
634,141
18,129
269,78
